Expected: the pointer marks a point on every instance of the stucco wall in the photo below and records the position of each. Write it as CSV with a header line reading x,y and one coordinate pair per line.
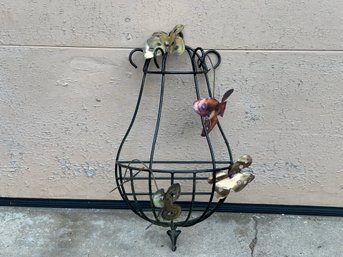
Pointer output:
x,y
67,93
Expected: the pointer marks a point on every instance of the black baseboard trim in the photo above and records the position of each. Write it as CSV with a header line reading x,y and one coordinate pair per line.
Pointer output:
x,y
225,207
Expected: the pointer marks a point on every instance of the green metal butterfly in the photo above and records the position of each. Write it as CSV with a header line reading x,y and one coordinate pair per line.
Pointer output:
x,y
171,43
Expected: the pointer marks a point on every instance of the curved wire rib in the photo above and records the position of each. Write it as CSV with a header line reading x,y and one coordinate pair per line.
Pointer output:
x,y
156,50
200,57
207,209
130,56
157,127
211,51
196,85
118,172
210,93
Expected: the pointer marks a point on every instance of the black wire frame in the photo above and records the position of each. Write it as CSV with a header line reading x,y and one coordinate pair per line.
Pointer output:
x,y
197,58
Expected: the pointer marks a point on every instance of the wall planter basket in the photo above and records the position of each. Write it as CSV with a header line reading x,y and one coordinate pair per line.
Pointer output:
x,y
173,205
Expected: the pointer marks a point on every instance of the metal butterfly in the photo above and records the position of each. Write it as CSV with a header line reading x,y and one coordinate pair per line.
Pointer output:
x,y
235,179
165,201
171,43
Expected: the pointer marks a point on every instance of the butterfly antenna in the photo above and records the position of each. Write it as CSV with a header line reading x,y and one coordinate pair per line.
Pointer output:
x,y
132,177
214,75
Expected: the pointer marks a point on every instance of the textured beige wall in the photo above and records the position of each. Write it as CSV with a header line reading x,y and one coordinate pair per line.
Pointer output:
x,y
67,93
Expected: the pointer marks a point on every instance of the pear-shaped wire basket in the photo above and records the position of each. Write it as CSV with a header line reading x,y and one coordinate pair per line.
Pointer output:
x,y
132,174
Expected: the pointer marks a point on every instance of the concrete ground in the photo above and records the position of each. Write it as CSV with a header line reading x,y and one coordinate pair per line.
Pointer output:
x,y
38,232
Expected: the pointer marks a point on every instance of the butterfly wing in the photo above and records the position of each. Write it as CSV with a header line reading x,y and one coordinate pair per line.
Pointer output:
x,y
243,162
179,46
157,40
171,210
176,42
227,94
175,32
241,180
210,123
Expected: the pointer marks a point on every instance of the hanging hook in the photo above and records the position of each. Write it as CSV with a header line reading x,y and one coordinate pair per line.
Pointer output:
x,y
212,51
200,57
195,53
130,56
155,55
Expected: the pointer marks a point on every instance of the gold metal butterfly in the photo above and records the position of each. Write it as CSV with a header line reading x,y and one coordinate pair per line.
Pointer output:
x,y
235,179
